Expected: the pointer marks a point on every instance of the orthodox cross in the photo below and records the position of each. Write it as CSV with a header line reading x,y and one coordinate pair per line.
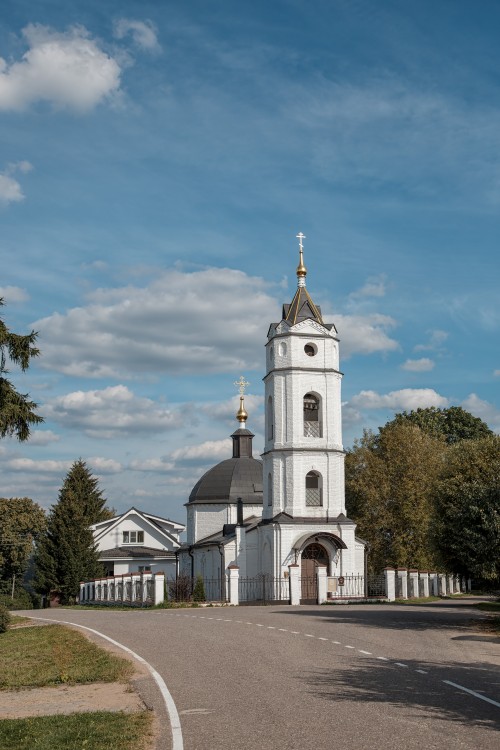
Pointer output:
x,y
241,384
300,237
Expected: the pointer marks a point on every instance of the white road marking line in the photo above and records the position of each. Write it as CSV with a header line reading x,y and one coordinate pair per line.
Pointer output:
x,y
308,635
322,639
337,643
472,692
382,658
369,653
400,664
175,722
259,625
227,620
295,632
283,630
271,627
421,671
349,646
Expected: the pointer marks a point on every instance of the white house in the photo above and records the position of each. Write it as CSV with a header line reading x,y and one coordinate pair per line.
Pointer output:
x,y
137,541
289,508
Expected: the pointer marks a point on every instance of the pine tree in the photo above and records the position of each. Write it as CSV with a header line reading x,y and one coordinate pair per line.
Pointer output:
x,y
67,553
16,410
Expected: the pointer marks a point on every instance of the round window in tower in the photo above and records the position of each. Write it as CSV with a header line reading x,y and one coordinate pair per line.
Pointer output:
x,y
311,350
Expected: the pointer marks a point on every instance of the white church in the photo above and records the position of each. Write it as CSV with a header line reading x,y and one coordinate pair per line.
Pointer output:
x,y
287,511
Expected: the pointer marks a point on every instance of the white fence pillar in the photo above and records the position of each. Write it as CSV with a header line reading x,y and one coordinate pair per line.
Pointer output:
x,y
413,575
424,581
390,584
293,571
159,588
449,586
133,593
81,597
321,575
457,584
442,584
433,583
403,582
234,577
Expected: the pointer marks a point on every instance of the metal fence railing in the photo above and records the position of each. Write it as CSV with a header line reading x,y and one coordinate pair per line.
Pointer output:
x,y
263,589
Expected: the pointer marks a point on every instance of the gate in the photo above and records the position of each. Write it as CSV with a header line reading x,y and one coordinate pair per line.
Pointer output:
x,y
263,589
309,589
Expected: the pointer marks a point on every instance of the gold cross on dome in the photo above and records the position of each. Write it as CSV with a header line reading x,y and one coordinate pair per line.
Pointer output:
x,y
300,237
241,384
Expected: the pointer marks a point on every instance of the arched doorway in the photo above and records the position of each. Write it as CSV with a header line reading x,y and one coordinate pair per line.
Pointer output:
x,y
312,556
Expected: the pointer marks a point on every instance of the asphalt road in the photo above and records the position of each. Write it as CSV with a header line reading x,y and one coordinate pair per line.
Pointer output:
x,y
352,677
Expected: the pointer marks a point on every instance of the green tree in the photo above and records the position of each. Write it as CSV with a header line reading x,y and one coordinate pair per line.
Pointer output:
x,y
23,521
390,478
67,553
468,508
199,590
17,411
453,423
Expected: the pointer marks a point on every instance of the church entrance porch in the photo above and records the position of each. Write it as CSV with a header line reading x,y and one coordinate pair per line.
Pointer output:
x,y
312,556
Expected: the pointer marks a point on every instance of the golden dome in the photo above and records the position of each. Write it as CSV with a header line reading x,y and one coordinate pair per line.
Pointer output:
x,y
242,415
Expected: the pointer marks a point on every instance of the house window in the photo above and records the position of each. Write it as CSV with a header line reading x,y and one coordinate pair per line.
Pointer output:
x,y
133,537
313,490
144,568
269,489
312,416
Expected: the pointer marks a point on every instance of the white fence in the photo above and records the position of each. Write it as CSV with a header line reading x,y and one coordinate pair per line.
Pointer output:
x,y
148,589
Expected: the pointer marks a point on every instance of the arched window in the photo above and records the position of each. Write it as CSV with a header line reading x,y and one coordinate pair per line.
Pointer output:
x,y
270,419
269,489
314,495
312,416
282,349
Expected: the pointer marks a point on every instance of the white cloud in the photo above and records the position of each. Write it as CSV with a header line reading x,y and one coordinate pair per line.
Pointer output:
x,y
43,437
13,294
210,450
365,334
405,399
435,343
104,465
226,410
66,69
44,467
110,412
484,410
374,287
181,323
418,365
152,464
144,33
10,188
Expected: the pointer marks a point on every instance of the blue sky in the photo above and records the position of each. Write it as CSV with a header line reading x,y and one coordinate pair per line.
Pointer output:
x,y
157,160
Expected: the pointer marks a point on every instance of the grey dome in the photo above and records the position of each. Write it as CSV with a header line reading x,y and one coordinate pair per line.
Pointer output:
x,y
229,480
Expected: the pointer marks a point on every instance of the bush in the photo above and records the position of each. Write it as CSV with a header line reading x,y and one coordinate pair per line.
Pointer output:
x,y
199,590
4,619
22,599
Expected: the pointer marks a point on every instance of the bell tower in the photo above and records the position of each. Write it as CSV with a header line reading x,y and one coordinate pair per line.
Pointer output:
x,y
303,459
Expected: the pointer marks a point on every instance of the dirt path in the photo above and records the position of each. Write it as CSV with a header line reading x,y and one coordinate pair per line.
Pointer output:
x,y
68,699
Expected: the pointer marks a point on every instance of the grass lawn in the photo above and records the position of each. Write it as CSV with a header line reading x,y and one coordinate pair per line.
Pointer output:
x,y
93,731
54,654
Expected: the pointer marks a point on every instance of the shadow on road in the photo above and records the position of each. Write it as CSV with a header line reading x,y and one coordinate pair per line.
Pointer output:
x,y
397,617
409,692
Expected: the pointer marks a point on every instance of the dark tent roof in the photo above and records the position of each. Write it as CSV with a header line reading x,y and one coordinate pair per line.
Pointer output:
x,y
229,480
